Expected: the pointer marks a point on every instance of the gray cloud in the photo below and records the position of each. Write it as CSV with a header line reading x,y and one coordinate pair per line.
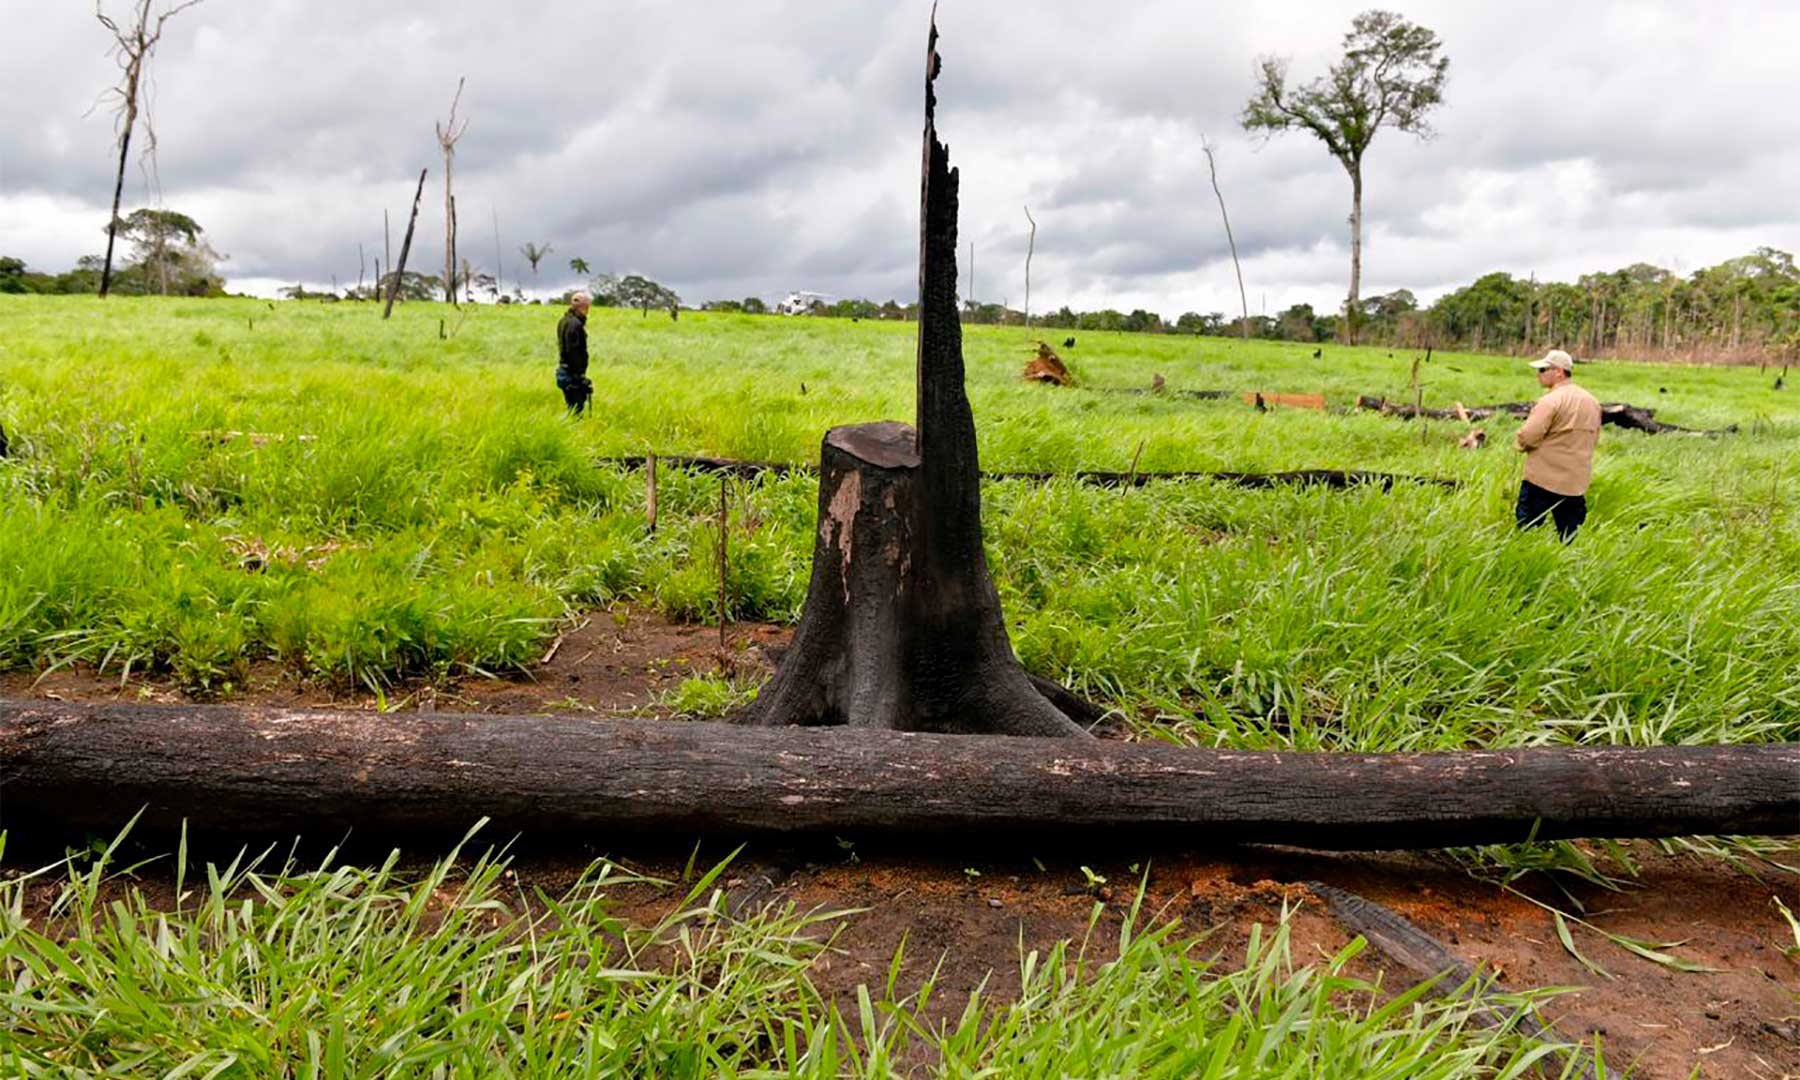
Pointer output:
x,y
769,145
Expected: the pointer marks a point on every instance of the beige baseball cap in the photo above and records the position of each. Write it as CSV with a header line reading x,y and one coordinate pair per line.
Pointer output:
x,y
1555,358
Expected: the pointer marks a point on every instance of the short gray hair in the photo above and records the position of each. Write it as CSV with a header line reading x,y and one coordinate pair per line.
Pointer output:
x,y
580,297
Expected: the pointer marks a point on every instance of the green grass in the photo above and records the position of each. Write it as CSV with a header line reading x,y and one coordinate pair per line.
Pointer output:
x,y
442,517
269,969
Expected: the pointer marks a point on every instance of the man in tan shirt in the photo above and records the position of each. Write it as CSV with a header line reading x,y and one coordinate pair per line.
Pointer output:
x,y
1558,441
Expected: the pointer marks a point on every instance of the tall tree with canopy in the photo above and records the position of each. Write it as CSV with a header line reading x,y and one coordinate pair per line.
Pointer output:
x,y
1391,76
170,250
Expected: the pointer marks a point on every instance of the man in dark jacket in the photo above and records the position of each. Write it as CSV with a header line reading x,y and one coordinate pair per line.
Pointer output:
x,y
572,354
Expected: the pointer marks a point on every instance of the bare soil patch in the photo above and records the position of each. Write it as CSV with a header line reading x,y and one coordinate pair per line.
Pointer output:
x,y
614,662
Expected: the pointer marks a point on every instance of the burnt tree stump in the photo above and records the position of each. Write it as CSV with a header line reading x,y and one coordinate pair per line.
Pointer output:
x,y
902,627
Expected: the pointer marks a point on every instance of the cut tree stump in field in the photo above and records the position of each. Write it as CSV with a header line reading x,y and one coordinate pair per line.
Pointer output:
x,y
573,780
1616,413
902,627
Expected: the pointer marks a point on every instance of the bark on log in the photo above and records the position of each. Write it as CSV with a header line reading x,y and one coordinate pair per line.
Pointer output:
x,y
1332,478
572,781
1616,413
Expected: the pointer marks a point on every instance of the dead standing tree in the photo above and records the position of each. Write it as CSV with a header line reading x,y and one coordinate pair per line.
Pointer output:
x,y
447,135
133,45
902,627
1213,171
1030,246
396,273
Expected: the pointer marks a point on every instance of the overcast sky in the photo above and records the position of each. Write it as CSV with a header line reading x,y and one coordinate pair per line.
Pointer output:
x,y
759,146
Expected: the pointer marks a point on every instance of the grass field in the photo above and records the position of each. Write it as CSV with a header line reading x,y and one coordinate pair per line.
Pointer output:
x,y
269,969
421,509
430,512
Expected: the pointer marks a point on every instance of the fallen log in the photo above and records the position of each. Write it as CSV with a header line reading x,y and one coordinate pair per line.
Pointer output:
x,y
571,781
1164,391
1616,413
1408,411
1332,478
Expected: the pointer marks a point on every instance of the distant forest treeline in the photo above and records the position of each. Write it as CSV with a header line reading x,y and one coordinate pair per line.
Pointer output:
x,y
1744,308
1747,307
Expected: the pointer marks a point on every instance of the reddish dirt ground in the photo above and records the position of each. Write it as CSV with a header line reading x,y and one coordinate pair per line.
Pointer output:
x,y
1742,1020
610,662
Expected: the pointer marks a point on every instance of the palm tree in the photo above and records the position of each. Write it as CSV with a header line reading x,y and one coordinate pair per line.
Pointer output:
x,y
534,253
580,266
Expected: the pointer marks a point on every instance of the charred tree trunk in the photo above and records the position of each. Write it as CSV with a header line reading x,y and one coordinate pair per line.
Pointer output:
x,y
902,627
568,781
112,224
395,273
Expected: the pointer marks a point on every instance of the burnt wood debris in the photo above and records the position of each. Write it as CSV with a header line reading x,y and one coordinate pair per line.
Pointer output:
x,y
275,772
1047,367
902,627
398,273
1616,413
1331,478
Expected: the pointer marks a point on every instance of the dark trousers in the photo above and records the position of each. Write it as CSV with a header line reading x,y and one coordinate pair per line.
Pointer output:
x,y
1536,503
576,390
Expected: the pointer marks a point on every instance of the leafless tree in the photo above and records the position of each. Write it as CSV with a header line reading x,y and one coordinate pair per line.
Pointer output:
x,y
1030,245
447,135
397,273
1243,298
499,268
387,251
133,45
970,302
